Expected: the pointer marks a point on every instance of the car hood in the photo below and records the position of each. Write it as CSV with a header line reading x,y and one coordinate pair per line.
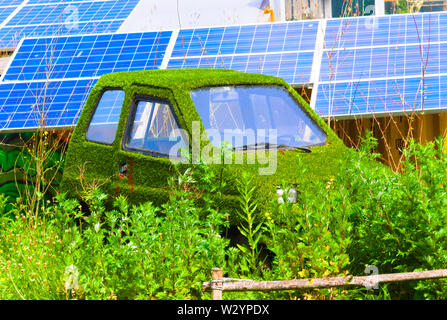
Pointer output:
x,y
290,167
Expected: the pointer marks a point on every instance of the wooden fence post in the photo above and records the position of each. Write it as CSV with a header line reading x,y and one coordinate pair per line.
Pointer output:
x,y
216,284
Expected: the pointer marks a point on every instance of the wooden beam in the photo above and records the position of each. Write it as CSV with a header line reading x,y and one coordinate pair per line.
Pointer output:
x,y
348,281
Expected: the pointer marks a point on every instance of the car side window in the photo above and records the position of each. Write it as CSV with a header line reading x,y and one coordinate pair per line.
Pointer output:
x,y
104,122
154,129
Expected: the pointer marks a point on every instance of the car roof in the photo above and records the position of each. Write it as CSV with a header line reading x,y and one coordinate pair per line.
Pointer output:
x,y
186,79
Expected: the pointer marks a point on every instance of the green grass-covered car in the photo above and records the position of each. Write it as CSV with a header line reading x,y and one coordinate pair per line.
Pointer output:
x,y
135,124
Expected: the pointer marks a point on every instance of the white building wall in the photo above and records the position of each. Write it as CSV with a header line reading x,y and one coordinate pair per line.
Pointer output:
x,y
172,14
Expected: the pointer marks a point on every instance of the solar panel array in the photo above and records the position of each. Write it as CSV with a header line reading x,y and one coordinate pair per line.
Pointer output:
x,y
357,65
87,56
79,12
383,64
51,78
5,13
71,65
21,19
285,50
8,3
37,104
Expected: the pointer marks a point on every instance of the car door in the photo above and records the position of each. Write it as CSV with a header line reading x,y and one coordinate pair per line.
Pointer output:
x,y
92,147
151,139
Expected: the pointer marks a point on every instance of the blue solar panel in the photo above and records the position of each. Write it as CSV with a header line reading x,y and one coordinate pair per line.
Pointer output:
x,y
53,1
61,17
292,67
36,104
279,49
293,36
11,36
7,3
109,108
376,65
5,12
382,96
87,56
385,30
379,62
75,12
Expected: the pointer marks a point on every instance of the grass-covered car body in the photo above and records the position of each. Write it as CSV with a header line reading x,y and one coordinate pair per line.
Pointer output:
x,y
111,155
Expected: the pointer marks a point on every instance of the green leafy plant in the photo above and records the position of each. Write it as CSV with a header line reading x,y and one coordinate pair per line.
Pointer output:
x,y
130,252
250,227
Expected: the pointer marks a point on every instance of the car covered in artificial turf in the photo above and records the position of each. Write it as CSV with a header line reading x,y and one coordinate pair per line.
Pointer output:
x,y
136,125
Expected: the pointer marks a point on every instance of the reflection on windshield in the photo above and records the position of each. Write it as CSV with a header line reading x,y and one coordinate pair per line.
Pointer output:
x,y
250,115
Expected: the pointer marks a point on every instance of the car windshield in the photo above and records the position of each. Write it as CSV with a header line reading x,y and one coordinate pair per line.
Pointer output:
x,y
251,116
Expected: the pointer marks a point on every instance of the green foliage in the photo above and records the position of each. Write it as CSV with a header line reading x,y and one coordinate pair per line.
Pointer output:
x,y
131,252
250,226
19,161
310,238
399,219
365,215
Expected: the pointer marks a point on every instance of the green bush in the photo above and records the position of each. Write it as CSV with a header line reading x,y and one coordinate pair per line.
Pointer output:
x,y
139,252
399,219
368,215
